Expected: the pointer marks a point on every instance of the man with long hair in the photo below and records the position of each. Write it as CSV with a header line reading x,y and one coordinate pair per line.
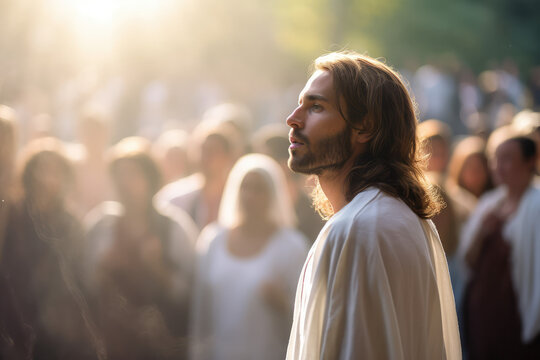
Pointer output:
x,y
375,284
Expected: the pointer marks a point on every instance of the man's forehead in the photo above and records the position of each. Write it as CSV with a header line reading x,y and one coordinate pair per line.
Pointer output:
x,y
319,85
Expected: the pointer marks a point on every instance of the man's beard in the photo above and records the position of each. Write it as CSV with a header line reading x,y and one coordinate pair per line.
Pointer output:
x,y
330,153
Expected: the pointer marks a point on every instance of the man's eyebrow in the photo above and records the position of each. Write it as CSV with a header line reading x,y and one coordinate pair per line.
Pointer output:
x,y
313,97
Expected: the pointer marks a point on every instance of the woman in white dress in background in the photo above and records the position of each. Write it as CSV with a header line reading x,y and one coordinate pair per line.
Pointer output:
x,y
249,263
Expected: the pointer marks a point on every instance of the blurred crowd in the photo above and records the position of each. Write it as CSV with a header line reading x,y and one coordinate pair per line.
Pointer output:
x,y
188,242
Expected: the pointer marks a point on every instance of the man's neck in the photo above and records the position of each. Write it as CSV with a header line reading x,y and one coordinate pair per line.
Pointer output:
x,y
334,186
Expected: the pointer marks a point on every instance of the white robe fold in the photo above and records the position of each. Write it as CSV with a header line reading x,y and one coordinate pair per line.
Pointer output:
x,y
375,285
523,233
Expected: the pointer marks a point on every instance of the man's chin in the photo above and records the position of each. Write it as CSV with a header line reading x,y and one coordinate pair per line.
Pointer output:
x,y
296,166
300,167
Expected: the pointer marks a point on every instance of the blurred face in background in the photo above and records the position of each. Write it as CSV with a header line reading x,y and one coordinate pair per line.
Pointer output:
x,y
474,174
510,167
174,164
439,155
47,180
132,185
255,197
215,159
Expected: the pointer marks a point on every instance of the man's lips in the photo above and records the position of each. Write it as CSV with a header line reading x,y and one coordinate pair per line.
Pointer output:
x,y
295,143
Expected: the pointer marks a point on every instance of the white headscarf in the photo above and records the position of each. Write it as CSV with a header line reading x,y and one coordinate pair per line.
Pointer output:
x,y
523,233
280,209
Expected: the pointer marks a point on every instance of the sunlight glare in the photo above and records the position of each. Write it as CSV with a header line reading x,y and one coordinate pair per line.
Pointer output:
x,y
104,13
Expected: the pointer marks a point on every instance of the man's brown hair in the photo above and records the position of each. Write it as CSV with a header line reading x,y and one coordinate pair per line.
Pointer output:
x,y
374,100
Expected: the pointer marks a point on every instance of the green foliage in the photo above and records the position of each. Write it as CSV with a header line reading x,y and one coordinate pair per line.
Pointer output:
x,y
476,32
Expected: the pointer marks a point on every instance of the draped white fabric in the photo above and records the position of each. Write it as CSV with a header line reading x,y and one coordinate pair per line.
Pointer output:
x,y
522,231
231,318
375,285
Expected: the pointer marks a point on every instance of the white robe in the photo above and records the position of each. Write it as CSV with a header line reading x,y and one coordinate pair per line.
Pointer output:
x,y
375,285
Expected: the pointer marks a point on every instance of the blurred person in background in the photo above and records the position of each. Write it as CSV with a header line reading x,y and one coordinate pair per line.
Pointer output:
x,y
140,262
170,151
469,94
527,123
15,335
273,140
469,176
213,152
436,138
8,150
436,91
534,86
249,263
497,137
504,115
41,258
502,95
510,82
239,120
477,123
92,182
501,251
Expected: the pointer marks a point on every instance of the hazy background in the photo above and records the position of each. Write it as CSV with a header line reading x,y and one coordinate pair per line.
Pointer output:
x,y
153,63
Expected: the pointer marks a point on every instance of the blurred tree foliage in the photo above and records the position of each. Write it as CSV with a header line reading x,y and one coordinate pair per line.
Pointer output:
x,y
476,31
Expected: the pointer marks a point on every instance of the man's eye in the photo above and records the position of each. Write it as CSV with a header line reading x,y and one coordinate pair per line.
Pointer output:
x,y
316,107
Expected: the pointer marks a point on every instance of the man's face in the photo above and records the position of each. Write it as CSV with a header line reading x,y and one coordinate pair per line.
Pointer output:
x,y
320,138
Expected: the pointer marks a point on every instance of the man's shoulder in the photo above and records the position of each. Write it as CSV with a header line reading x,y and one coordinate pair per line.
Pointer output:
x,y
377,208
374,218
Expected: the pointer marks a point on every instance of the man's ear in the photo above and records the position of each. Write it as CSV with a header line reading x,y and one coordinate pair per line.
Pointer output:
x,y
361,137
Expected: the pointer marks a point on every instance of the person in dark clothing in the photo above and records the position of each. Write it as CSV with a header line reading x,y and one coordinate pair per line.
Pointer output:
x,y
40,257
501,248
140,262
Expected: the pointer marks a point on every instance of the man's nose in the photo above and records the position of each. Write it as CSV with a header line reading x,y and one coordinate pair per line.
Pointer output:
x,y
295,119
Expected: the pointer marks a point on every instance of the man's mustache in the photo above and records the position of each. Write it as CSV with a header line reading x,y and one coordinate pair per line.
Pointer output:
x,y
300,137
